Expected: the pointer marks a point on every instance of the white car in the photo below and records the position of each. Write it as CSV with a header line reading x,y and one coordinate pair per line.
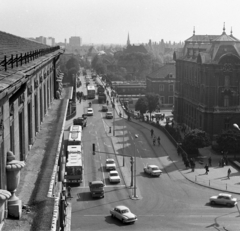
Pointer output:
x,y
114,177
123,213
90,111
152,170
110,164
109,115
223,199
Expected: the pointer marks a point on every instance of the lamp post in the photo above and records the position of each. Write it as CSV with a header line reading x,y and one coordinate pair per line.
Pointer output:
x,y
123,140
135,171
237,127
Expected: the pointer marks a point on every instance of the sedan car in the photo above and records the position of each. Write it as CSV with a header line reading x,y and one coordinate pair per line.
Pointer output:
x,y
90,111
114,177
110,164
109,115
223,199
104,108
124,214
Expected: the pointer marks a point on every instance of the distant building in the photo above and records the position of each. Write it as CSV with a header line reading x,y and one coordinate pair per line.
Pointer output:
x,y
207,94
75,41
162,82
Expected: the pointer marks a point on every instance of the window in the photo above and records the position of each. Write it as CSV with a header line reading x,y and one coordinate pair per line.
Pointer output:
x,y
161,87
170,87
226,101
227,81
162,99
170,99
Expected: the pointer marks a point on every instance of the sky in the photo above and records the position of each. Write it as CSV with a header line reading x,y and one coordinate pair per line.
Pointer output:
x,y
110,21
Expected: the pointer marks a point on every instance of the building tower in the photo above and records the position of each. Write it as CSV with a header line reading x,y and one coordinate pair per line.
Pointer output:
x,y
128,40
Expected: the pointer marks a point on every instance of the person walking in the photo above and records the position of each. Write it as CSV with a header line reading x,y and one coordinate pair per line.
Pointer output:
x,y
207,169
229,173
154,140
152,132
69,191
159,140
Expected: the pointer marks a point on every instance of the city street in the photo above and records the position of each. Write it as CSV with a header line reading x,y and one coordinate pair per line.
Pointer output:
x,y
169,202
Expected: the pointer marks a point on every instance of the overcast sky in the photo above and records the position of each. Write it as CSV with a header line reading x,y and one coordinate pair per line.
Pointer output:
x,y
109,21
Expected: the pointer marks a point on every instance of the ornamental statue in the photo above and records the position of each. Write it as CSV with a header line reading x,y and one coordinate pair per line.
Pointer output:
x,y
13,168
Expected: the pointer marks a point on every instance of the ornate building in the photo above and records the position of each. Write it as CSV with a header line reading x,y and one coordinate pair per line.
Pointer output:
x,y
208,83
30,81
162,82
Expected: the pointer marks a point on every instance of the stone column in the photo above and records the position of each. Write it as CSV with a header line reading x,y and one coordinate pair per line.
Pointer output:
x,y
13,177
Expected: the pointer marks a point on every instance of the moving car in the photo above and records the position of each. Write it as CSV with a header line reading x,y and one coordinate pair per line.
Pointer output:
x,y
109,115
223,199
152,170
104,108
90,111
114,177
110,164
82,121
123,213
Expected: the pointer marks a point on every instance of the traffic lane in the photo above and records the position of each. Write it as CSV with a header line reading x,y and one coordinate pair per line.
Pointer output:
x,y
158,192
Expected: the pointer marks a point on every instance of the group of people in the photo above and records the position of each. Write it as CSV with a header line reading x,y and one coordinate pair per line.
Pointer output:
x,y
154,138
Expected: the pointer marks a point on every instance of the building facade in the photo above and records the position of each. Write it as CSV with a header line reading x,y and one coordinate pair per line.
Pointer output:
x,y
162,82
208,83
30,81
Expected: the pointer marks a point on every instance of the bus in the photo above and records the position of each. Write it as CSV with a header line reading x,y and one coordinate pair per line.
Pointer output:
x,y
76,128
74,165
74,138
74,169
91,92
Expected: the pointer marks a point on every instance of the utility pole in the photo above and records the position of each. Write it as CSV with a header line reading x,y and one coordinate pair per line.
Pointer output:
x,y
135,171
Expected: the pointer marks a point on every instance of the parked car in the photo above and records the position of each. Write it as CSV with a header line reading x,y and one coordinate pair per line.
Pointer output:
x,y
114,177
152,170
109,115
123,213
82,121
110,164
90,111
104,108
223,199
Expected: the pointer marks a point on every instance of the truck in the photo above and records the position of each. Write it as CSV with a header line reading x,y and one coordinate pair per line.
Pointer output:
x,y
97,188
102,98
100,89
152,170
82,121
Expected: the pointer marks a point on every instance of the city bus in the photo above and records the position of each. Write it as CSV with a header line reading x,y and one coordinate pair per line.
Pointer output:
x,y
76,128
91,92
74,138
74,169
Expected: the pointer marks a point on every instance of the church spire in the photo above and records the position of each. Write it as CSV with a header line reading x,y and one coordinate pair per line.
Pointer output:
x,y
224,28
194,30
128,40
231,31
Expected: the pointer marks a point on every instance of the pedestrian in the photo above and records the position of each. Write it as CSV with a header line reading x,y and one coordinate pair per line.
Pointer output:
x,y
207,169
152,132
223,162
210,161
226,161
69,191
229,172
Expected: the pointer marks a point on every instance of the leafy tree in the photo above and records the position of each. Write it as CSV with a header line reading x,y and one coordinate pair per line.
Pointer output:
x,y
142,105
72,63
153,102
101,68
194,140
95,61
229,141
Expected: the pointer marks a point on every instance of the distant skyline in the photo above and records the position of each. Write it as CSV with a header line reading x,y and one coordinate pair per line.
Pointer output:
x,y
110,21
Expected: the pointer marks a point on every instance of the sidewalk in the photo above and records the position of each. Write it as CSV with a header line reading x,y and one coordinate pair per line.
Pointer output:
x,y
217,176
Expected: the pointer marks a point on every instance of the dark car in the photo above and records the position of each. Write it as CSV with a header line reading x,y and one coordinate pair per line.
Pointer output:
x,y
82,121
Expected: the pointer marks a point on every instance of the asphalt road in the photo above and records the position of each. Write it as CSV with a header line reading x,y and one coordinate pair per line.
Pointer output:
x,y
169,202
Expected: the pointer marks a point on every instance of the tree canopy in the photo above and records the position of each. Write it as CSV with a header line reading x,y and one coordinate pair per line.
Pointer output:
x,y
142,105
195,139
153,101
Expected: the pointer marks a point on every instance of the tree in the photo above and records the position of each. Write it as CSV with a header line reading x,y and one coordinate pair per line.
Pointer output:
x,y
229,141
72,63
101,68
194,140
141,105
153,102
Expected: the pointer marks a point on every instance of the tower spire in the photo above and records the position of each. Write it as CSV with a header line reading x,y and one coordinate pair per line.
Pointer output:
x,y
231,31
224,28
194,30
128,40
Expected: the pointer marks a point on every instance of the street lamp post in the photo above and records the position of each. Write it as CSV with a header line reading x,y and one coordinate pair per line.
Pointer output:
x,y
135,171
